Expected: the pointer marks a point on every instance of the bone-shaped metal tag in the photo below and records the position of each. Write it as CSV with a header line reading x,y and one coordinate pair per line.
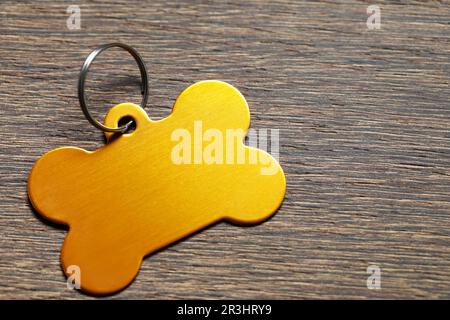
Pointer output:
x,y
164,181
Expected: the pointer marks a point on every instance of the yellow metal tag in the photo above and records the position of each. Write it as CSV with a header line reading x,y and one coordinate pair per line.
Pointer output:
x,y
164,181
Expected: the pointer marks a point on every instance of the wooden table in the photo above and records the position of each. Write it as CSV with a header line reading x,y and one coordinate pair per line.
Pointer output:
x,y
364,119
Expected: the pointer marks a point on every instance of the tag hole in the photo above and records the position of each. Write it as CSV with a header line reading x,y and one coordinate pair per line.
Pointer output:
x,y
124,120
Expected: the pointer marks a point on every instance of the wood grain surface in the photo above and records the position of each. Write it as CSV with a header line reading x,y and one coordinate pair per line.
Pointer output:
x,y
364,119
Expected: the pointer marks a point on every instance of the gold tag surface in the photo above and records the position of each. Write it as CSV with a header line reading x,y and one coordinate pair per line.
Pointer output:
x,y
164,181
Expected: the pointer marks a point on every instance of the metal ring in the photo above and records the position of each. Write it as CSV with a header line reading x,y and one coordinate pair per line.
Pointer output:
x,y
83,74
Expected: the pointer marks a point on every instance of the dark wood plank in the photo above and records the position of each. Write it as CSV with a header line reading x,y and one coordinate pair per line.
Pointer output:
x,y
365,139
